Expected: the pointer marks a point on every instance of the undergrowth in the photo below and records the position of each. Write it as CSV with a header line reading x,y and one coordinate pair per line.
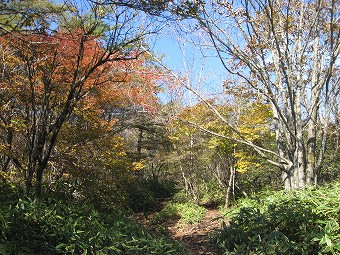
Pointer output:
x,y
56,226
186,212
296,222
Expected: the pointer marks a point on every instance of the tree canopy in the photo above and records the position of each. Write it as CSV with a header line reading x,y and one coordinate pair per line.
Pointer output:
x,y
287,53
79,94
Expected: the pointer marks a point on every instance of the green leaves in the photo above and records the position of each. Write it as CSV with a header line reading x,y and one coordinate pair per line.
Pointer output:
x,y
330,240
300,222
188,212
70,227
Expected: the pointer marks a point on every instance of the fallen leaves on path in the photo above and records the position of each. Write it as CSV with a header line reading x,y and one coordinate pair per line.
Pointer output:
x,y
196,238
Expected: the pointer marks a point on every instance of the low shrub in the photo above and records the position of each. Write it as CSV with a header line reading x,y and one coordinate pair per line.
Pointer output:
x,y
160,189
296,222
68,227
168,212
186,212
190,213
213,194
142,195
180,197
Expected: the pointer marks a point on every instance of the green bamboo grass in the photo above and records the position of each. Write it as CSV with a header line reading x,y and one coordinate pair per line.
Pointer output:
x,y
56,226
294,222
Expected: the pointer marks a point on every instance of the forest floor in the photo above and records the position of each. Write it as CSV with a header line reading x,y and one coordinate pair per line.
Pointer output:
x,y
196,238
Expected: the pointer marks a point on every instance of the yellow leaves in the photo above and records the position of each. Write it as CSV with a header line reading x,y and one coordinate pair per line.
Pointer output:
x,y
250,133
214,142
136,166
253,120
244,161
4,149
242,166
121,154
4,175
18,125
174,137
253,124
249,117
14,125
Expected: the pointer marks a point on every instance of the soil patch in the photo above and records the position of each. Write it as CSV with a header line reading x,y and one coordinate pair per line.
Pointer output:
x,y
196,238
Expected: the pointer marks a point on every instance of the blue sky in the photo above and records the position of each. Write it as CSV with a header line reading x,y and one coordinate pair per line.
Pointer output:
x,y
206,73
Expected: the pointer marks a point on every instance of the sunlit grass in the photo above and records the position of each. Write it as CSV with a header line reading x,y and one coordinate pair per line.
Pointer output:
x,y
294,222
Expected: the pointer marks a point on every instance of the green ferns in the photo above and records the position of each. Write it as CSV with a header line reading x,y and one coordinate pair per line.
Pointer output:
x,y
295,222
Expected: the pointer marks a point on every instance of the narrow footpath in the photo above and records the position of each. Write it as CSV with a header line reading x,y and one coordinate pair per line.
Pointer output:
x,y
196,238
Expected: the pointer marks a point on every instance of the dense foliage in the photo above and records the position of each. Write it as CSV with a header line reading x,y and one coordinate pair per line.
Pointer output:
x,y
298,222
84,138
56,226
186,211
63,91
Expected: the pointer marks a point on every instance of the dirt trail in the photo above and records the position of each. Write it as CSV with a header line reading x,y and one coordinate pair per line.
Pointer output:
x,y
196,238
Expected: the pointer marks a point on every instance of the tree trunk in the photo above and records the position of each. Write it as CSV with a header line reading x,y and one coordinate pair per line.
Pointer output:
x,y
311,144
139,173
311,133
230,185
38,185
286,178
28,182
286,171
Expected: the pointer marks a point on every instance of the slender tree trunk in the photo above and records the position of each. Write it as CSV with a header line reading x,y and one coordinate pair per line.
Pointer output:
x,y
299,167
139,144
311,145
139,173
286,178
38,185
311,133
287,170
28,182
230,185
299,157
186,182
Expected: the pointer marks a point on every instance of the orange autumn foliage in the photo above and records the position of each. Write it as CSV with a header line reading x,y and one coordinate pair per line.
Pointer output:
x,y
61,59
48,79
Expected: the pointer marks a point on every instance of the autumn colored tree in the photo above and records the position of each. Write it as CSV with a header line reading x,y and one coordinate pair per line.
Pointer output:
x,y
286,52
103,124
53,72
207,151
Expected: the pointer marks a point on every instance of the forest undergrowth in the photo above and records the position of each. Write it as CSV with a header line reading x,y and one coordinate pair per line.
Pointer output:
x,y
284,222
302,222
64,226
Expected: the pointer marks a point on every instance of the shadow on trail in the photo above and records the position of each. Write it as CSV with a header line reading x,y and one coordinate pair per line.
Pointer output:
x,y
196,238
